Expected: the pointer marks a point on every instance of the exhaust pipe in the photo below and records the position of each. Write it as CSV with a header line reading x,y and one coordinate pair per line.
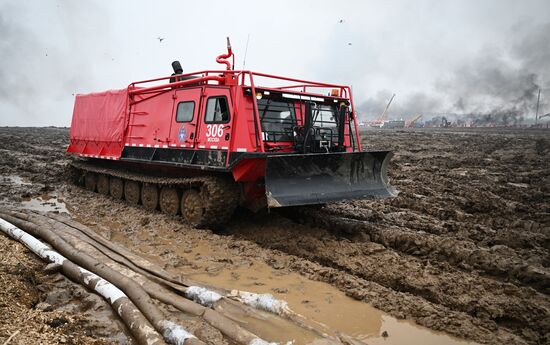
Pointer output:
x,y
176,66
221,59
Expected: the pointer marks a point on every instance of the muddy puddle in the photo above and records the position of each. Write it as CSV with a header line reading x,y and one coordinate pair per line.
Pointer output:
x,y
325,307
45,203
319,302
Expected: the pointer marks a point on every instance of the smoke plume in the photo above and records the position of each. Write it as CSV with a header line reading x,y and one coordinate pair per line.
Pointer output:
x,y
498,86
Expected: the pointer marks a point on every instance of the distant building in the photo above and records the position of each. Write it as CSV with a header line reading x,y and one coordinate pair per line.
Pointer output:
x,y
394,124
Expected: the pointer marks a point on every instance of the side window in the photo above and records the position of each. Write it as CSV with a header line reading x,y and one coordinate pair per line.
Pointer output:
x,y
185,111
217,110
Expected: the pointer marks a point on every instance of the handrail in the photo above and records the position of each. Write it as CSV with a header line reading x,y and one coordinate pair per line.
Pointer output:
x,y
297,92
180,75
354,118
295,86
237,73
296,80
133,91
257,122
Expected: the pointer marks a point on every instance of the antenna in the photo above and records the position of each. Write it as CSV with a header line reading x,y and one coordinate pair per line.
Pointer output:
x,y
246,50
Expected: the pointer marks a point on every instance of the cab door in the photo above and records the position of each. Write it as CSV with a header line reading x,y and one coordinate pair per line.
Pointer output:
x,y
149,124
216,119
185,116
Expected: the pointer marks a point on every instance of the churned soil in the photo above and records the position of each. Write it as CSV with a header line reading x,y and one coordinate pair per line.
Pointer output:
x,y
464,249
41,308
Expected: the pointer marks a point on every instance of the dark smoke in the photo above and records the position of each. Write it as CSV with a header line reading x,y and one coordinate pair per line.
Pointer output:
x,y
501,87
496,87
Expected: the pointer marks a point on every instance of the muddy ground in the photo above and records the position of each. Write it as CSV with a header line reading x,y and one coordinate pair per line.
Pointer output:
x,y
463,251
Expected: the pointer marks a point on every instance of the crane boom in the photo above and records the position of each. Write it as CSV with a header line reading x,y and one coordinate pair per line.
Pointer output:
x,y
382,116
412,121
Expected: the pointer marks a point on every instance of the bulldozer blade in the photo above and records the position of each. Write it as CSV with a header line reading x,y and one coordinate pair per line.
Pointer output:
x,y
308,179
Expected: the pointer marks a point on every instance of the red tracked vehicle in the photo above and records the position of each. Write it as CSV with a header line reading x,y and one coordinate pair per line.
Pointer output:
x,y
200,144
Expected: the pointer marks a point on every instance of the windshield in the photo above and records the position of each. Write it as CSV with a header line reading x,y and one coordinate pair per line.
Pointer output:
x,y
278,119
324,116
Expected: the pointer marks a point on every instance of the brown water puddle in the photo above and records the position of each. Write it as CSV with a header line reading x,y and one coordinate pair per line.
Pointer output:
x,y
324,306
49,202
318,302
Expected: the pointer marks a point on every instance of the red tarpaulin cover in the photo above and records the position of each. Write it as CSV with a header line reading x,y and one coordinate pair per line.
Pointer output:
x,y
100,116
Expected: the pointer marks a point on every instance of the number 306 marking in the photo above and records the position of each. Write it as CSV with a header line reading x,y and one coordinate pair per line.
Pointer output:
x,y
214,130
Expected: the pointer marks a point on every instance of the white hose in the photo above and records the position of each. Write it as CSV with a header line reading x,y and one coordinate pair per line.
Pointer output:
x,y
103,287
202,295
174,333
262,301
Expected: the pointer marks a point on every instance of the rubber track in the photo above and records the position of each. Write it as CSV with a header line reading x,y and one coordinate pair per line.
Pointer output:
x,y
222,198
221,194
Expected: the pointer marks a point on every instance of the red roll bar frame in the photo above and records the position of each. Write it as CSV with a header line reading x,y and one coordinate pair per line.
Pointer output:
x,y
231,78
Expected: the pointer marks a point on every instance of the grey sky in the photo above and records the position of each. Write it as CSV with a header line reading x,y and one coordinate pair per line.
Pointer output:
x,y
437,56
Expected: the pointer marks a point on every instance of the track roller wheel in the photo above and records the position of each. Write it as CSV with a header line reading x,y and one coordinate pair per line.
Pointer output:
x,y
103,184
150,196
131,192
193,207
116,187
170,200
221,197
90,181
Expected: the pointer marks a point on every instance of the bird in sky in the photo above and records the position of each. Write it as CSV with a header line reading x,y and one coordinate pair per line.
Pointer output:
x,y
160,39
349,44
341,21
